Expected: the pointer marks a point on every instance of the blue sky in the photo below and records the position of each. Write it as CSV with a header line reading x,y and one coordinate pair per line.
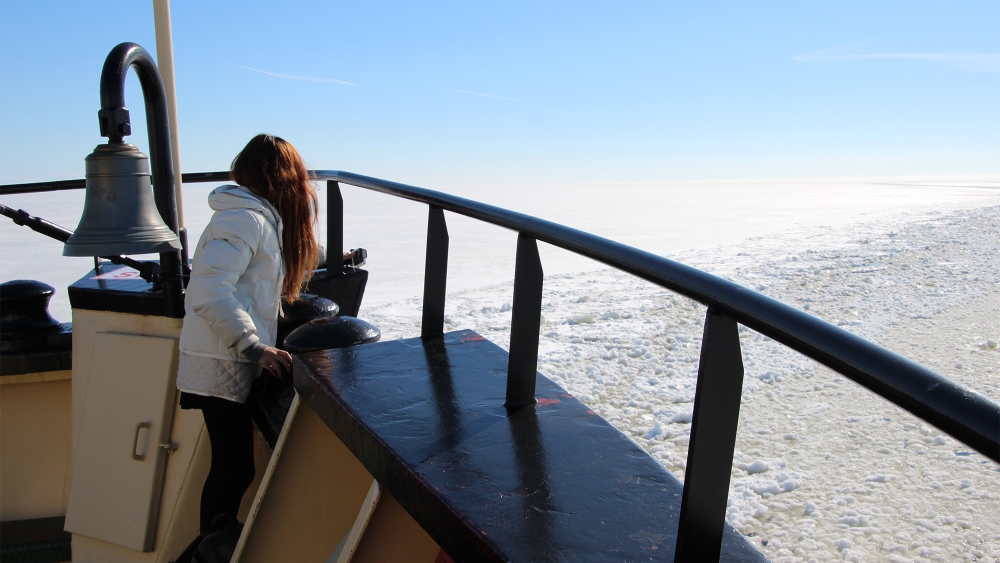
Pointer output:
x,y
455,93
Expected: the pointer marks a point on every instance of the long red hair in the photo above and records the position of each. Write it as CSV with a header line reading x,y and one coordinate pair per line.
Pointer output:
x,y
273,169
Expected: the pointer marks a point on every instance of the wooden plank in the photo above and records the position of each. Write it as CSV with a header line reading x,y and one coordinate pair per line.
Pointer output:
x,y
348,546
393,536
310,498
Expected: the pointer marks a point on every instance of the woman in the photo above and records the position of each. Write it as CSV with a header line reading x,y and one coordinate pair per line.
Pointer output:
x,y
259,245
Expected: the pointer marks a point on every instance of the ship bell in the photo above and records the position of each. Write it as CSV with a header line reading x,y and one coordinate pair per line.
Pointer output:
x,y
119,215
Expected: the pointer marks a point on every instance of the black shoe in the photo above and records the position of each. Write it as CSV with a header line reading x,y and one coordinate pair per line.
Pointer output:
x,y
219,543
187,555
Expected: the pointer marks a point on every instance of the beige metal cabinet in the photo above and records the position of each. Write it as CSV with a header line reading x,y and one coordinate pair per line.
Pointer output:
x,y
122,446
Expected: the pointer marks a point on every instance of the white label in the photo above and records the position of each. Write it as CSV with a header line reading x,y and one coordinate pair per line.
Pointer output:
x,y
125,273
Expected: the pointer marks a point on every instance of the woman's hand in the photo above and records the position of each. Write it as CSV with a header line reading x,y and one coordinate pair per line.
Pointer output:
x,y
276,361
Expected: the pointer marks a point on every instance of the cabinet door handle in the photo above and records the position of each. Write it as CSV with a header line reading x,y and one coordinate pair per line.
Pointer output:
x,y
135,440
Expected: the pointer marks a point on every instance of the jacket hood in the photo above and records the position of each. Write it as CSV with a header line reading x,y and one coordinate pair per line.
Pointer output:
x,y
231,196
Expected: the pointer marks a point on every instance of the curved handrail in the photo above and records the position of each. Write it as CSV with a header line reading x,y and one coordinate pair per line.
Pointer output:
x,y
40,187
61,185
964,414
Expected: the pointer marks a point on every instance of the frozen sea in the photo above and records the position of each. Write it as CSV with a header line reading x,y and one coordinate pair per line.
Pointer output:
x,y
823,469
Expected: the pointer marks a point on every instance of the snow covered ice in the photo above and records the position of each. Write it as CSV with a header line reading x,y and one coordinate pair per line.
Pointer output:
x,y
824,470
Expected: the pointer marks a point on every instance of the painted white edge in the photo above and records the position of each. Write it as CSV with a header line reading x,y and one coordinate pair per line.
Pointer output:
x,y
353,538
275,455
165,63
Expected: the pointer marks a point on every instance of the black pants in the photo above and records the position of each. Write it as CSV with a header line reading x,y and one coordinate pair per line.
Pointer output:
x,y
230,431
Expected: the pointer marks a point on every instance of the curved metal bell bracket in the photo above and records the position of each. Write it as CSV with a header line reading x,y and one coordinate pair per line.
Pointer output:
x,y
122,215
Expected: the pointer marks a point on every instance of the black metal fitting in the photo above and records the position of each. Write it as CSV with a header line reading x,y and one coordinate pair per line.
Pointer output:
x,y
37,224
114,119
20,217
115,124
150,271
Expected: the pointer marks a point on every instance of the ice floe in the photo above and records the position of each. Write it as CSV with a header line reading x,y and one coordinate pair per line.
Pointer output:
x,y
823,469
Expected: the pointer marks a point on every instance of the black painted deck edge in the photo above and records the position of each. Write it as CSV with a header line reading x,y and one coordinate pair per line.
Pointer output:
x,y
48,360
35,352
392,473
35,540
135,303
459,538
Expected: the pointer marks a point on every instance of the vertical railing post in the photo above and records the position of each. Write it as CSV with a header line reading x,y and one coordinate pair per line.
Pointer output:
x,y
524,325
334,229
713,437
435,274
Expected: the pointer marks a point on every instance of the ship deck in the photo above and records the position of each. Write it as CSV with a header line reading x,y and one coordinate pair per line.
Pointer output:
x,y
549,482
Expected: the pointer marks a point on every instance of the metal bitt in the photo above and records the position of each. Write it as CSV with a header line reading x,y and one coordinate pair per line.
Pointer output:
x,y
115,125
525,319
334,229
435,274
713,437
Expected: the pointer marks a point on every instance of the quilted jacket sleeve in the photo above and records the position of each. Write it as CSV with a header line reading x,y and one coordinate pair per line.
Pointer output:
x,y
220,262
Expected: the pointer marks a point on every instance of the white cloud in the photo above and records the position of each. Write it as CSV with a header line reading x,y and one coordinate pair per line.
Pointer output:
x,y
980,62
489,95
303,78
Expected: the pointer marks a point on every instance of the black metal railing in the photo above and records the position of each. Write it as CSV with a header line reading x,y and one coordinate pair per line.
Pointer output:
x,y
964,414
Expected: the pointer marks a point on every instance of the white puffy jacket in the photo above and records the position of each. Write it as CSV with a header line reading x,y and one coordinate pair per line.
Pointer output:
x,y
233,298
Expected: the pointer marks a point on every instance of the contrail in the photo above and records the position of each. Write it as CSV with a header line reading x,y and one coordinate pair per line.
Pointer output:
x,y
982,62
489,95
303,78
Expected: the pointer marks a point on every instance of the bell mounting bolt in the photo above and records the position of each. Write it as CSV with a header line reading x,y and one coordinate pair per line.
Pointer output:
x,y
115,124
